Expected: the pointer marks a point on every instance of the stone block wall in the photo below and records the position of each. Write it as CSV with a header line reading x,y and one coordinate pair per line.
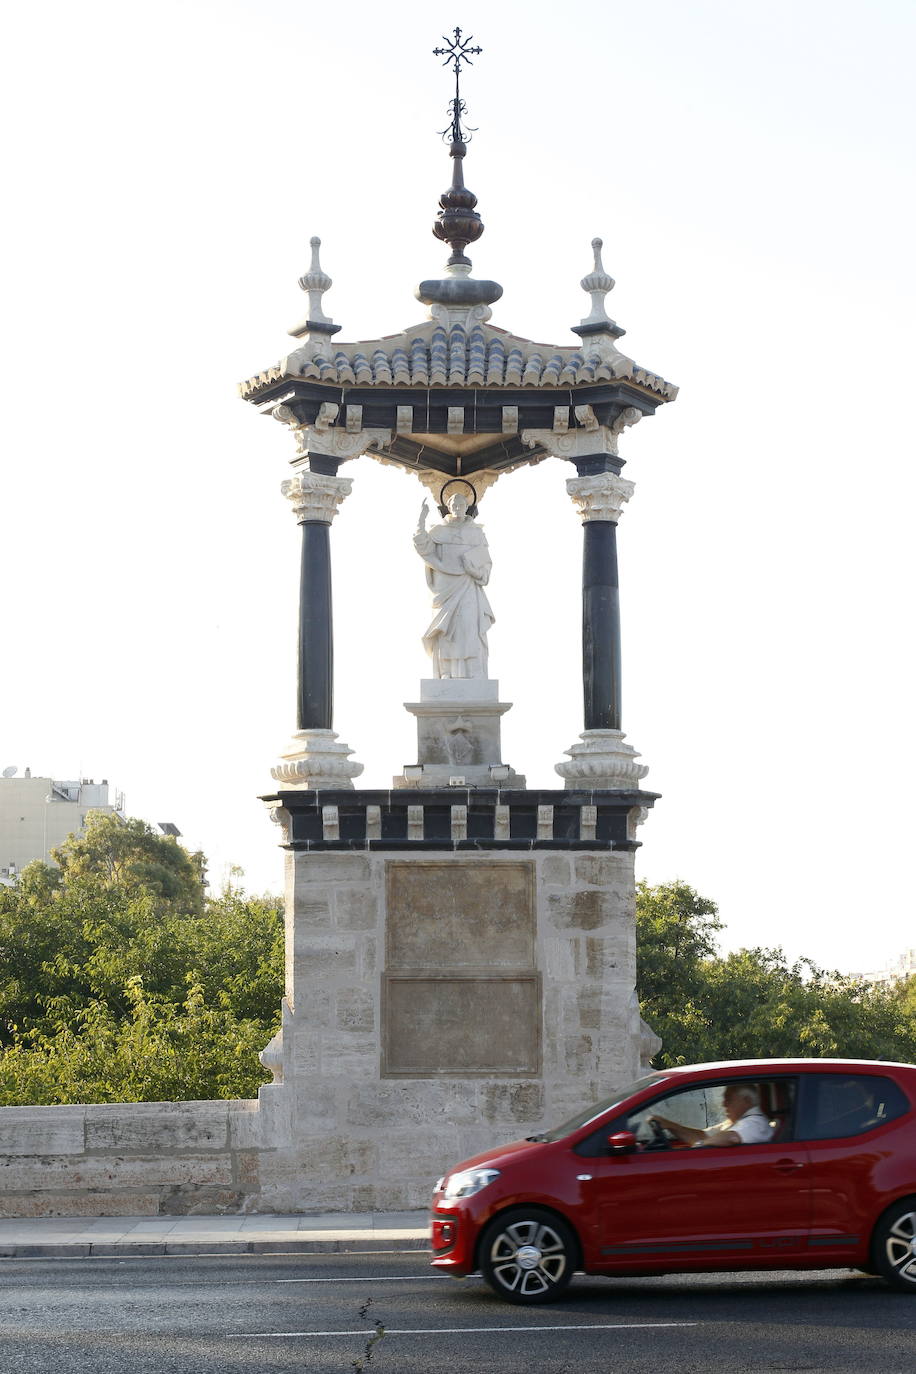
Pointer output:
x,y
128,1159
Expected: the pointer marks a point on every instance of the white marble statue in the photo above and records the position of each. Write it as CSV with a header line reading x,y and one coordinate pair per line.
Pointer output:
x,y
457,570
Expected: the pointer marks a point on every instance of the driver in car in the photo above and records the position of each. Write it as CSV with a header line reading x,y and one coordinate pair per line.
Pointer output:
x,y
744,1124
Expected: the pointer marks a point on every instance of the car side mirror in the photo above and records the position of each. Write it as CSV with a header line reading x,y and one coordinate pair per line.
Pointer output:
x,y
622,1143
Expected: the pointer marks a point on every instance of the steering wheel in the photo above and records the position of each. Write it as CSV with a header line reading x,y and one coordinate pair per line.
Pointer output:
x,y
660,1139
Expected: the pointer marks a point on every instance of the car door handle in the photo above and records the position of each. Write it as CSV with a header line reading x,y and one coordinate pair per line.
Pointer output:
x,y
788,1166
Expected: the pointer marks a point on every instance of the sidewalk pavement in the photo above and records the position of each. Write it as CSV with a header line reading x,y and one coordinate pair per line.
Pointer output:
x,y
331,1233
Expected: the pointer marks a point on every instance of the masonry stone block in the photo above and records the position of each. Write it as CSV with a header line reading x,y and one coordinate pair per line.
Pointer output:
x,y
314,1005
247,1170
355,1009
561,958
318,964
305,1051
519,1102
246,1124
555,870
106,1171
337,1156
603,956
349,1055
201,1201
578,1050
367,957
285,1188
330,868
42,1130
356,908
313,909
429,1156
610,871
389,1104
383,1197
589,909
160,1126
102,1203
315,1105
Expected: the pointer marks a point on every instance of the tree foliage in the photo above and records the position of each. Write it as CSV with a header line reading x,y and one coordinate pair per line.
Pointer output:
x,y
753,1003
121,981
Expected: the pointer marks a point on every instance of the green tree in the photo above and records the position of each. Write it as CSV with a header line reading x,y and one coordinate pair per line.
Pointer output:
x,y
128,855
118,975
759,1003
676,932
162,1052
752,1003
905,994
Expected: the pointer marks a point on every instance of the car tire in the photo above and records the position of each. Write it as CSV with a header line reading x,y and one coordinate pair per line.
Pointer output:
x,y
893,1247
528,1255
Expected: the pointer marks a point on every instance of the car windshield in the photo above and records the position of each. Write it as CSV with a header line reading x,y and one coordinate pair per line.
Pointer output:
x,y
598,1108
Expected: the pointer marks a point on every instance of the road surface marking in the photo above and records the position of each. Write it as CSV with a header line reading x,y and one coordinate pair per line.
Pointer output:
x,y
459,1330
379,1278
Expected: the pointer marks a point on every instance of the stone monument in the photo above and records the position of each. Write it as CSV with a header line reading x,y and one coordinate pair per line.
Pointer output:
x,y
460,949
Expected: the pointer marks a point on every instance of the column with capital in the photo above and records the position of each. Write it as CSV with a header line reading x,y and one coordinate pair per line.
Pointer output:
x,y
315,757
601,758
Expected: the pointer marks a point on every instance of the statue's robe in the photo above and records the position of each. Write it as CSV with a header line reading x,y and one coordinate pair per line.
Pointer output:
x,y
457,570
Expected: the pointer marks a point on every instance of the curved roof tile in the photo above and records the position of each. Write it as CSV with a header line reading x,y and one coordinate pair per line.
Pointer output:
x,y
429,356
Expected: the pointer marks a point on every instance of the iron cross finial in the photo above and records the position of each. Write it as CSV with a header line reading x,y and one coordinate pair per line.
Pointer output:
x,y
457,53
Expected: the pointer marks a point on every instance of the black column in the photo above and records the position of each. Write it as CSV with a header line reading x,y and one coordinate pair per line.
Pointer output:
x,y
601,627
316,639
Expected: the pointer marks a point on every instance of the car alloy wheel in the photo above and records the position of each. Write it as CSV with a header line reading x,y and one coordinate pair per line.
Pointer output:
x,y
527,1255
894,1246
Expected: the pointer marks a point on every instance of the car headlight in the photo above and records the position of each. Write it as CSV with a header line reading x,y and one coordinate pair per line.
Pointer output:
x,y
469,1181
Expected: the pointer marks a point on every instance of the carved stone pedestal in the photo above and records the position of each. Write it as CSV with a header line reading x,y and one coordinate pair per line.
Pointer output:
x,y
458,736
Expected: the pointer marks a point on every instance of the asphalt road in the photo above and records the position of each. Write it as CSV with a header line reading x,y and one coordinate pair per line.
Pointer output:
x,y
248,1314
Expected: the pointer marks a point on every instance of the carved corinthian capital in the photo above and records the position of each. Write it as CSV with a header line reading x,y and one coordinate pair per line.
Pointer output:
x,y
601,497
315,496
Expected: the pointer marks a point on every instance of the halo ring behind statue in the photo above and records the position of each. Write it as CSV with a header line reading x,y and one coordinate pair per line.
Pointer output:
x,y
458,482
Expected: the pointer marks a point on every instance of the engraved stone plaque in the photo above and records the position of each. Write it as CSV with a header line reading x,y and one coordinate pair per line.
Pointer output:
x,y
454,916
462,1026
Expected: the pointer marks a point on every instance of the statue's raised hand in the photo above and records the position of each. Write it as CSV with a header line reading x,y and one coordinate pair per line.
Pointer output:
x,y
421,523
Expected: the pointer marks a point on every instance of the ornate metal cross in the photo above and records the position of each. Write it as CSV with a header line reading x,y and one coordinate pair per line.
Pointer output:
x,y
457,52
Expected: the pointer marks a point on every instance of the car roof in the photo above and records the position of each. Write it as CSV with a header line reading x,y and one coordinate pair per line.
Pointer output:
x,y
757,1066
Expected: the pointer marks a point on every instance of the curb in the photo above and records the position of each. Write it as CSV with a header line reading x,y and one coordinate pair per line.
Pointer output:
x,y
113,1250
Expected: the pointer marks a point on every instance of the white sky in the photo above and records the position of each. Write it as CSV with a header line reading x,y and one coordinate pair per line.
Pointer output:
x,y
750,169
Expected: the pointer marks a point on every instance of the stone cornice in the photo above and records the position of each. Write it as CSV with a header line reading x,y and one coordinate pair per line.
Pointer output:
x,y
573,443
323,436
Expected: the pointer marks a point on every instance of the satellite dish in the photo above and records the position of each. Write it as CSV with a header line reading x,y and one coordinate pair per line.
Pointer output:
x,y
11,771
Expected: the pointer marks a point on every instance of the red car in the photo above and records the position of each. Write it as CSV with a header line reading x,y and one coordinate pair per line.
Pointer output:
x,y
763,1164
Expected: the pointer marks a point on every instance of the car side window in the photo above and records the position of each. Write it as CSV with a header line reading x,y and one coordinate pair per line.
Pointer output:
x,y
836,1106
701,1106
